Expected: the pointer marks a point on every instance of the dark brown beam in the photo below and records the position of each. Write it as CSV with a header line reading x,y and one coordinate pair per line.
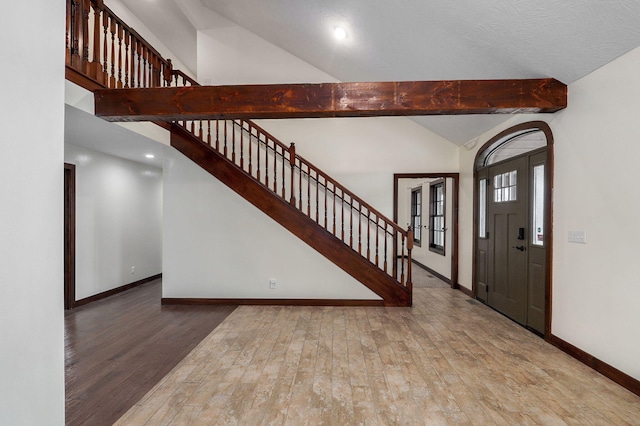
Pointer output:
x,y
332,100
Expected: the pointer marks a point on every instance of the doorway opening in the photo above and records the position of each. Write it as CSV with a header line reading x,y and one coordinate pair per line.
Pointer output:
x,y
428,203
513,181
69,236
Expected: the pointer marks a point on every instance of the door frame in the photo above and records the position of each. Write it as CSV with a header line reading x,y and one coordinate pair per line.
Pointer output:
x,y
548,200
69,236
455,181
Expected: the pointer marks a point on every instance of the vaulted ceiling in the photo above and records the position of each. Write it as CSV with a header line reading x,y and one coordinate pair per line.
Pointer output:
x,y
418,39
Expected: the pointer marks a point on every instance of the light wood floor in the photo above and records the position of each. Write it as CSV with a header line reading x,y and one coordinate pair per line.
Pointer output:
x,y
447,360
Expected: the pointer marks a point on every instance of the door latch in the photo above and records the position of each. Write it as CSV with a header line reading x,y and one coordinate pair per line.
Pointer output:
x,y
521,248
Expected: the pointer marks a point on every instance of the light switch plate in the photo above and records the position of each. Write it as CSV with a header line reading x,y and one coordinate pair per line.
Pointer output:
x,y
577,237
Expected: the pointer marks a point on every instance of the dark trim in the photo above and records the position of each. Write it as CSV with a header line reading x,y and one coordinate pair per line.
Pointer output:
x,y
116,290
549,169
465,290
432,272
601,367
455,179
286,302
69,236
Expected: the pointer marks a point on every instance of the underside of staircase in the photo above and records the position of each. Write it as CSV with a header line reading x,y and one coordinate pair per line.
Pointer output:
x,y
291,218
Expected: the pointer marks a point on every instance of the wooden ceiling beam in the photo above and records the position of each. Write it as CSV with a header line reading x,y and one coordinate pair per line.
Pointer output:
x,y
409,98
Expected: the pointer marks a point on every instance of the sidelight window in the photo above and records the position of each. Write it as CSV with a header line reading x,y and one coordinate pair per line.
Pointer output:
x,y
538,205
482,208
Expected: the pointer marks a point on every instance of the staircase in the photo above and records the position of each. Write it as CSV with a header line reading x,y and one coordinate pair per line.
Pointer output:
x,y
270,175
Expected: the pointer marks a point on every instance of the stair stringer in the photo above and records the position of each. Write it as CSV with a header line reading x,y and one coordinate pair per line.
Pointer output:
x,y
332,248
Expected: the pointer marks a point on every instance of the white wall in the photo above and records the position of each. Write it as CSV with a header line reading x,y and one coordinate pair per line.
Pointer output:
x,y
118,220
595,285
132,20
31,206
435,261
248,59
217,245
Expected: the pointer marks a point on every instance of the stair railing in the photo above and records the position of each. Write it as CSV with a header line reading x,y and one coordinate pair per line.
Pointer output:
x,y
306,187
99,45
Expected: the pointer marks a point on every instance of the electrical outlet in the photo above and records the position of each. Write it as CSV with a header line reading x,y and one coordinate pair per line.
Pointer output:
x,y
577,237
272,283
133,269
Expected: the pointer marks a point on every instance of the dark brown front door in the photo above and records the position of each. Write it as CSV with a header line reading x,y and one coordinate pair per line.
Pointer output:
x,y
507,227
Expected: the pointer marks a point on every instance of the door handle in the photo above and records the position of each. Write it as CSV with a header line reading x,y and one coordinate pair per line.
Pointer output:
x,y
521,248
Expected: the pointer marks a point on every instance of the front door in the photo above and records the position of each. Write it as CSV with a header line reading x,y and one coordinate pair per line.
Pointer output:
x,y
507,220
510,273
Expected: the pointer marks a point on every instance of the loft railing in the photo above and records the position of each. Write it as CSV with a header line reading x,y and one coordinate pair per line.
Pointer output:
x,y
101,46
105,49
311,191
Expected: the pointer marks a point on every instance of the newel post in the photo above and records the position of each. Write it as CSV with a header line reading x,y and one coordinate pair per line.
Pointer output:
x,y
292,163
167,72
409,248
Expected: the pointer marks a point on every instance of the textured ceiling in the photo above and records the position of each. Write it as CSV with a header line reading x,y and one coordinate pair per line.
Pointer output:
x,y
426,39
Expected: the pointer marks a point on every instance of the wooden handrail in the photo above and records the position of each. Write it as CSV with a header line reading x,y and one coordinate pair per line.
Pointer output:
x,y
328,178
185,78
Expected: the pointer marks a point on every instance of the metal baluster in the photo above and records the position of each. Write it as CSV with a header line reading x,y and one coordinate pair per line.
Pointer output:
x,y
308,191
317,198
225,138
283,182
342,215
377,239
241,146
334,209
275,167
402,262
368,235
266,162
217,135
350,221
385,247
233,142
250,158
258,153
359,228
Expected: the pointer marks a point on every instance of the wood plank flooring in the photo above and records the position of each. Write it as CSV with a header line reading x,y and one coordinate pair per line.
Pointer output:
x,y
118,348
447,360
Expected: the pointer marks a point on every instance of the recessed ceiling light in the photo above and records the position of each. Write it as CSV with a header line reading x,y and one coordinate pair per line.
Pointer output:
x,y
150,156
339,33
